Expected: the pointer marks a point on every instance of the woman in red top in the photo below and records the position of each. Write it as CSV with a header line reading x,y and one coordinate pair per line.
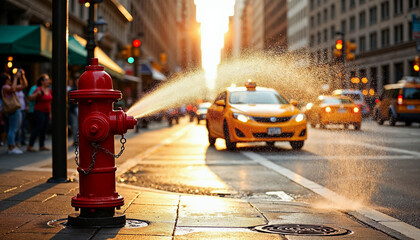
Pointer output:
x,y
43,97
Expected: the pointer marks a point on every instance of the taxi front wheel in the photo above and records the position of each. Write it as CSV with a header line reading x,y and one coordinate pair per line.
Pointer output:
x,y
212,140
229,145
296,145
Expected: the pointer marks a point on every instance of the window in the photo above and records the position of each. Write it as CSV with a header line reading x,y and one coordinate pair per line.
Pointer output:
x,y
385,74
312,4
319,37
352,4
362,44
343,6
343,26
362,2
312,23
325,35
362,19
325,15
413,4
398,33
81,11
385,37
398,71
385,10
352,23
311,43
318,18
373,15
410,30
373,41
332,11
332,32
398,7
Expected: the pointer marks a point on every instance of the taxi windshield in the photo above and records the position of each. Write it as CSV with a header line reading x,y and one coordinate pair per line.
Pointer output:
x,y
337,101
256,97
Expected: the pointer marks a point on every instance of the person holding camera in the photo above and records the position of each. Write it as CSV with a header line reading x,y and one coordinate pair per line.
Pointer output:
x,y
11,106
42,112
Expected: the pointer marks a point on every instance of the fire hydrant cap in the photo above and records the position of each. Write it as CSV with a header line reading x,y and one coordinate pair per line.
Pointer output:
x,y
95,77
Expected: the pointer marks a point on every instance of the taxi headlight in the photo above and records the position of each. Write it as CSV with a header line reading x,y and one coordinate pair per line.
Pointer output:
x,y
241,117
299,117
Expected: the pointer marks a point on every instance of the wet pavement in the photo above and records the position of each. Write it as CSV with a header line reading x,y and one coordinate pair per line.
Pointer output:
x,y
31,208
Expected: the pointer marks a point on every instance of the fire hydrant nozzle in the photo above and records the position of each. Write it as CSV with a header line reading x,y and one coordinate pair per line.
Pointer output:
x,y
98,122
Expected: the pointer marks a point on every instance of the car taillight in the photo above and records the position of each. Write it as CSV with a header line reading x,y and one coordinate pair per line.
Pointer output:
x,y
356,110
400,99
327,109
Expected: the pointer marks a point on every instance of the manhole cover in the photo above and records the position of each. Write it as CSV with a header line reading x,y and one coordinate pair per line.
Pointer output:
x,y
302,229
129,223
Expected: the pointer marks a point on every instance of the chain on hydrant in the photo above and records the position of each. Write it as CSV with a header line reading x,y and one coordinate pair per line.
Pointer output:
x,y
94,149
96,146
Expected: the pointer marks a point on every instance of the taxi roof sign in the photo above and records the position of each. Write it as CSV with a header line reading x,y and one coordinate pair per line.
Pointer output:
x,y
250,85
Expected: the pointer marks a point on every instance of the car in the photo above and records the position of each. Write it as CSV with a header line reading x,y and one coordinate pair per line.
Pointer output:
x,y
202,111
333,110
399,102
255,114
357,97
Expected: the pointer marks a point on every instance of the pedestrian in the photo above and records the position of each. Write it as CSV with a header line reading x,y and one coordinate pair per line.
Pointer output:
x,y
21,134
73,111
11,106
42,112
31,105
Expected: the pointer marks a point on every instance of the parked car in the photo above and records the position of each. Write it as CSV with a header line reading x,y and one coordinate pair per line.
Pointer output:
x,y
201,112
333,110
399,102
357,97
255,114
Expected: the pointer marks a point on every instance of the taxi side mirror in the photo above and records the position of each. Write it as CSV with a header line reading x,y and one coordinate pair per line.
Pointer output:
x,y
293,102
220,103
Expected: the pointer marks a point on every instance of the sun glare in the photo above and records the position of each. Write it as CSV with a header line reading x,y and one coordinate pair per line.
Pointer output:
x,y
214,18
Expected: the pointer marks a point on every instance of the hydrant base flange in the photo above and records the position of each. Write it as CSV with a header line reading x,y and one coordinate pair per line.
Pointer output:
x,y
116,221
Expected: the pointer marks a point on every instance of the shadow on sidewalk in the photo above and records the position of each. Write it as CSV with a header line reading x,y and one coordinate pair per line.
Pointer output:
x,y
25,195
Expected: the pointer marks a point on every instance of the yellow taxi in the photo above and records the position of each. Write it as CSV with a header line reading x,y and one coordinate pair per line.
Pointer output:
x,y
255,114
334,110
399,102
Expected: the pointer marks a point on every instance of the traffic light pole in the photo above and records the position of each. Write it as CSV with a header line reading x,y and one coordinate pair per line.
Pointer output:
x,y
342,58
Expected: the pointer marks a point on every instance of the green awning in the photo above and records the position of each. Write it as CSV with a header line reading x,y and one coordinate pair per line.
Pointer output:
x,y
77,52
25,40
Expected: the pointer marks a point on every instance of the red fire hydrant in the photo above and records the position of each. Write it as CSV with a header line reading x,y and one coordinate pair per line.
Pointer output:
x,y
98,123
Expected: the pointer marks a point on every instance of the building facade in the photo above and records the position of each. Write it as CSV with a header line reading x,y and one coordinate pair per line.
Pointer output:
x,y
381,30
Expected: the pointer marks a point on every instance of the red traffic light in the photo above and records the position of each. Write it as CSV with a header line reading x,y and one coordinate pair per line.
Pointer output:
x,y
136,43
339,44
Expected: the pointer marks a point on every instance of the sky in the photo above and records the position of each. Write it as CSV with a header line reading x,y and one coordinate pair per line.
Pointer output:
x,y
214,18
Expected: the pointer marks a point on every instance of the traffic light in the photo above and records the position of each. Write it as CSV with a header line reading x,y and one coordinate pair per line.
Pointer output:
x,y
127,52
350,47
338,51
416,64
136,47
130,60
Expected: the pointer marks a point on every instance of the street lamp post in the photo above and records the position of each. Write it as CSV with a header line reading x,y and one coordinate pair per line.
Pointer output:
x,y
91,43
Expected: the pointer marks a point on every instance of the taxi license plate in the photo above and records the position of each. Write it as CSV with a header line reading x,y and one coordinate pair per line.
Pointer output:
x,y
273,131
342,110
411,107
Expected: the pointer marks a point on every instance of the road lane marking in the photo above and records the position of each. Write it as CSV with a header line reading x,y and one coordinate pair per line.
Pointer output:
x,y
390,149
317,157
381,218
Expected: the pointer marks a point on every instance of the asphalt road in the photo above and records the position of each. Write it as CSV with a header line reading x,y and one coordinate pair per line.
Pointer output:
x,y
378,166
